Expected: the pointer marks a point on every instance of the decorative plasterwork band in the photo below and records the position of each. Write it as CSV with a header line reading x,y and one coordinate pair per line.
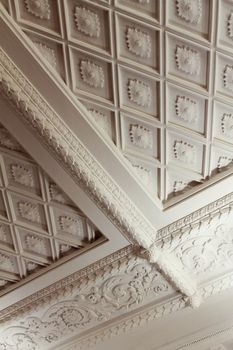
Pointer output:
x,y
86,171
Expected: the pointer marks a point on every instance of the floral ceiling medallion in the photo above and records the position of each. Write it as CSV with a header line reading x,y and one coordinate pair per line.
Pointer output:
x,y
87,22
227,125
230,25
22,175
141,136
189,10
139,93
184,152
179,185
228,77
92,74
187,60
186,109
38,8
138,42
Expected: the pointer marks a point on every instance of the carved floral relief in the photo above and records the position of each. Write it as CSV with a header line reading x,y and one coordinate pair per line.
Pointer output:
x,y
187,60
186,109
141,136
92,74
228,77
87,22
189,10
184,152
138,42
38,8
139,93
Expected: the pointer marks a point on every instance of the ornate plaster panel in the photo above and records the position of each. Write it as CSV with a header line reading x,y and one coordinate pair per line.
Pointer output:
x,y
38,223
130,65
106,292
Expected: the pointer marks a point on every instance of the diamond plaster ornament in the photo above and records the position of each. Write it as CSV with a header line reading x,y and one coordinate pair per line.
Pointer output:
x,y
224,161
187,60
230,25
31,266
48,53
186,109
228,77
139,93
184,152
227,125
22,175
143,173
3,236
179,185
92,74
141,136
6,263
138,42
87,22
2,283
189,10
101,120
38,8
35,244
29,211
70,225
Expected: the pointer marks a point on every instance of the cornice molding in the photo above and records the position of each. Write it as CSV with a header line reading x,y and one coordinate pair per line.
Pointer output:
x,y
87,172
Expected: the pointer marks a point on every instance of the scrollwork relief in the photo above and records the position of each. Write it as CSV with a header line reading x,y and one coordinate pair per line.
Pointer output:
x,y
101,296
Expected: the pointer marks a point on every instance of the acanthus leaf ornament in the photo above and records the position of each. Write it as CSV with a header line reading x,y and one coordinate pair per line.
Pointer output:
x,y
139,93
92,74
29,211
227,125
38,8
141,136
184,152
228,77
189,10
187,60
22,175
47,53
87,22
230,25
186,109
138,42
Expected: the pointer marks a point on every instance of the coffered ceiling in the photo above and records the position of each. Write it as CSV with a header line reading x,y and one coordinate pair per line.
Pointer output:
x,y
155,76
116,150
39,224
